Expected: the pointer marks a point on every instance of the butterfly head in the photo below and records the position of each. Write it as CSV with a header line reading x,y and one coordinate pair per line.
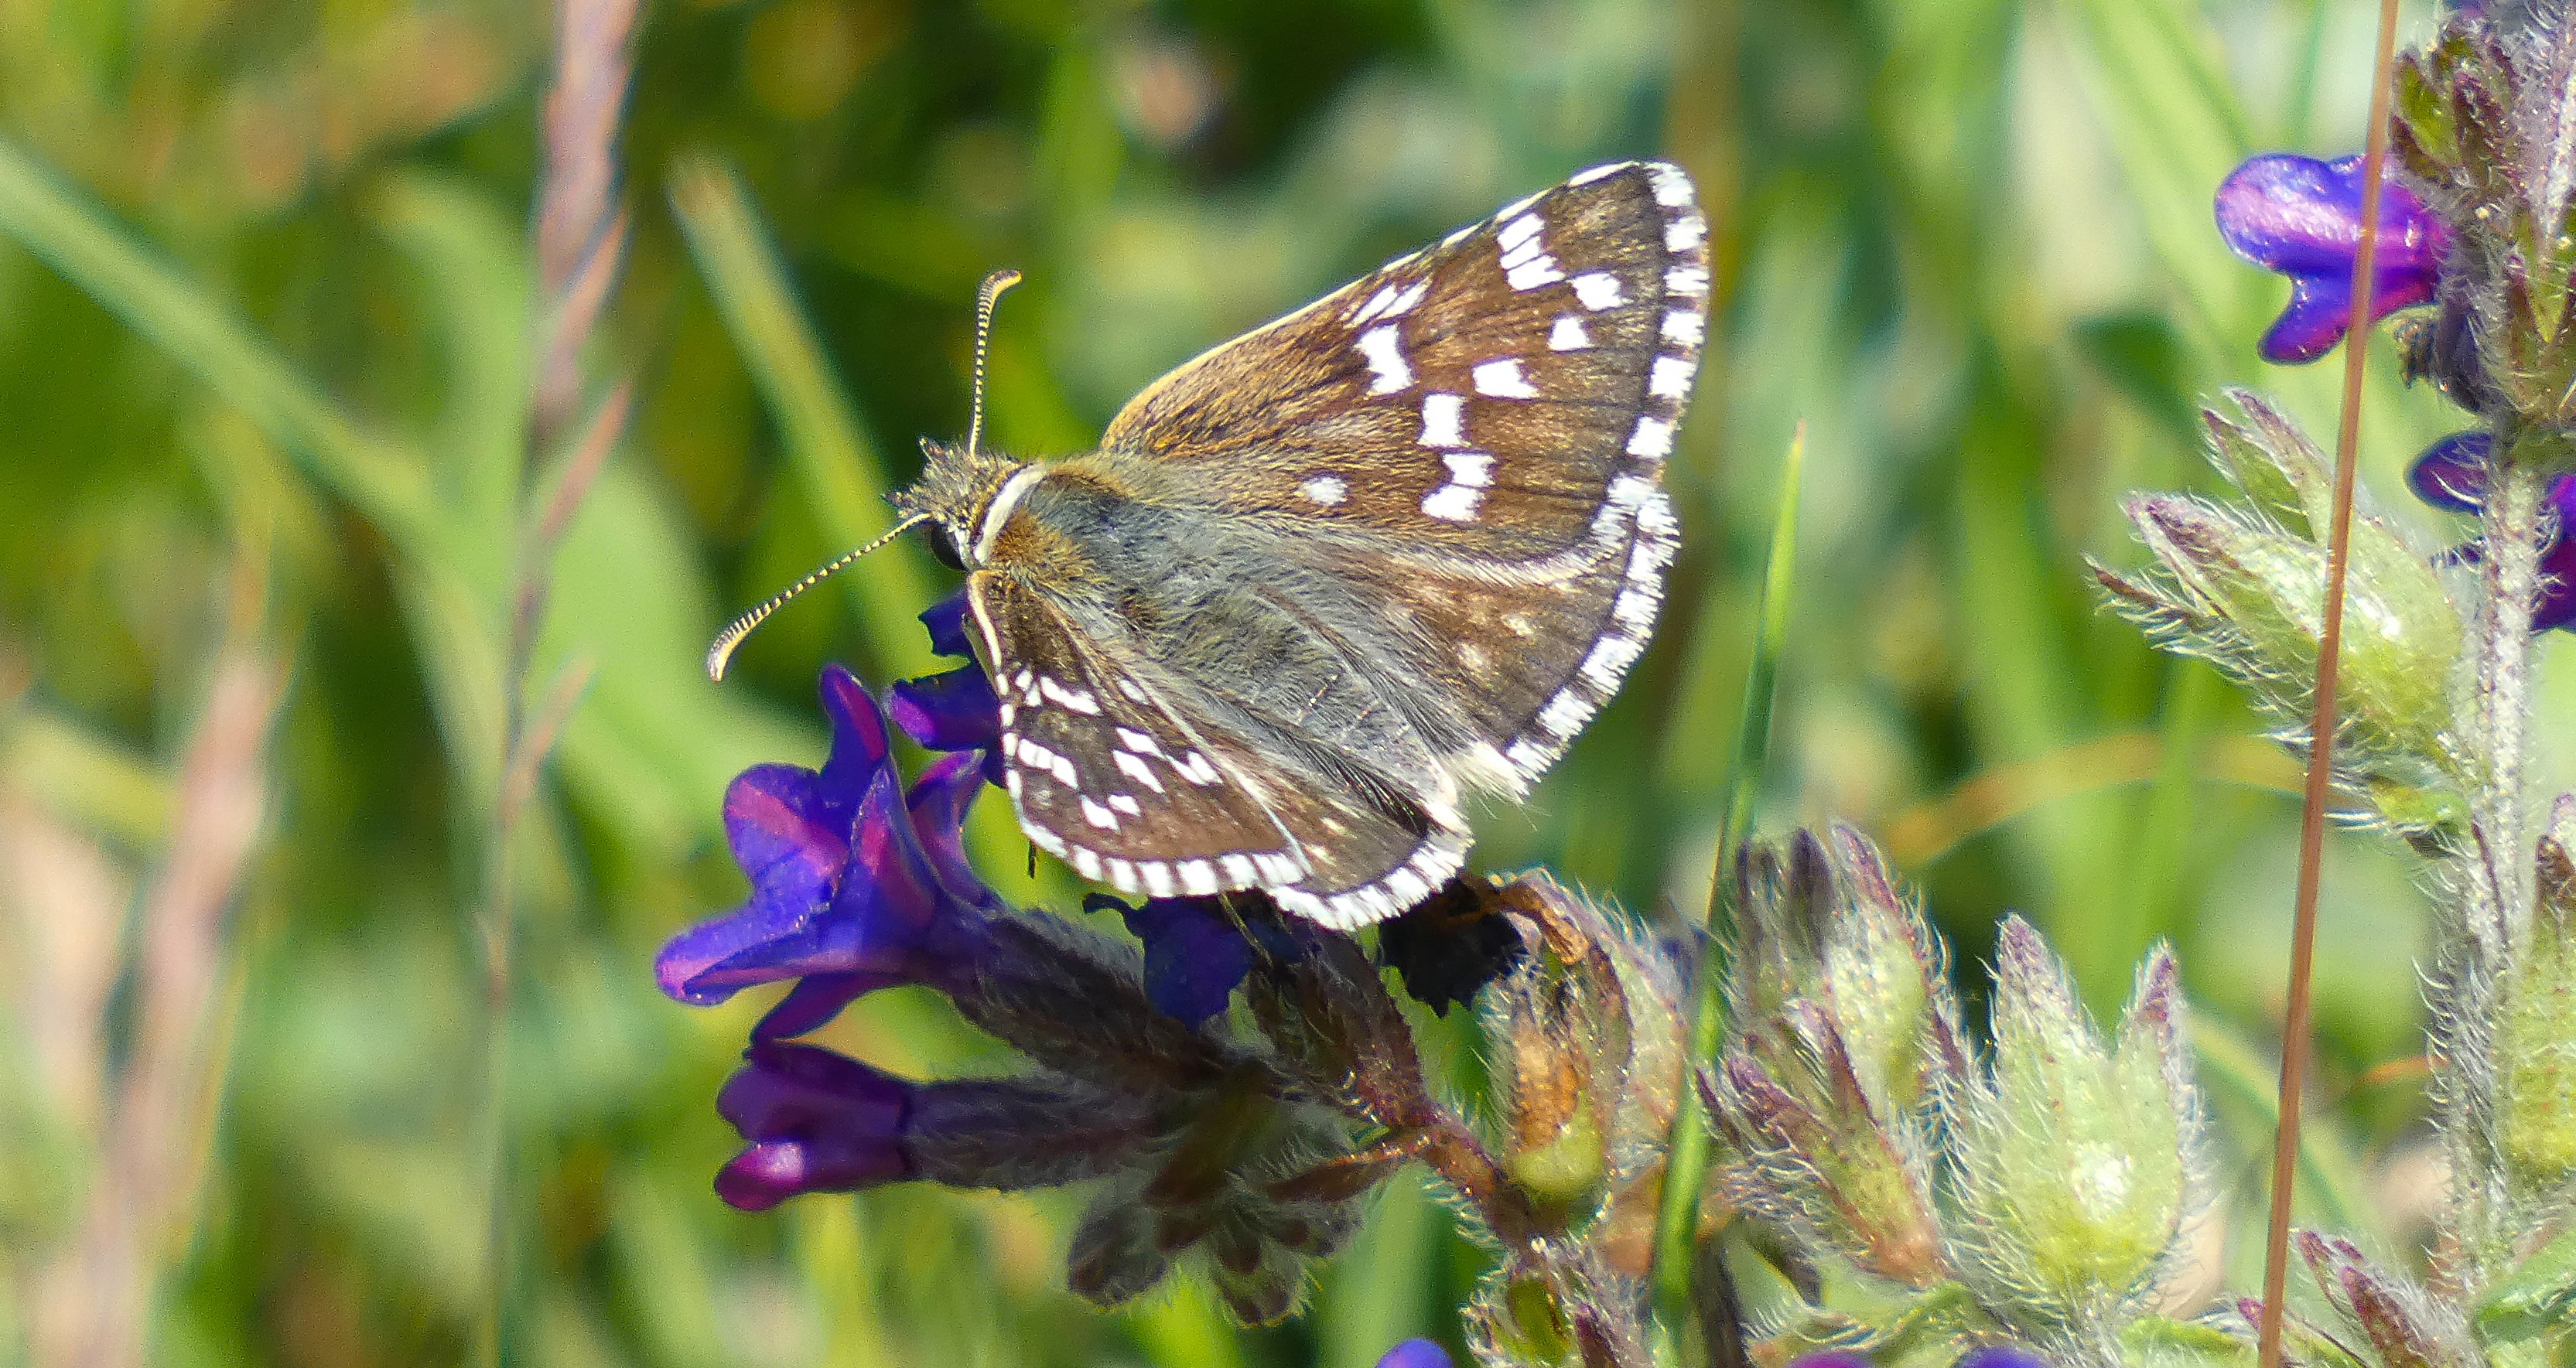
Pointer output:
x,y
967,494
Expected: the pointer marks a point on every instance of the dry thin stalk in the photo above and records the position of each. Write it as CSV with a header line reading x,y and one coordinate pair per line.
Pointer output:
x,y
97,1295
2295,1041
580,238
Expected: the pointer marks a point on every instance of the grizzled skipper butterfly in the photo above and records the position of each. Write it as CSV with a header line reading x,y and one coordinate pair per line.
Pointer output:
x,y
1320,581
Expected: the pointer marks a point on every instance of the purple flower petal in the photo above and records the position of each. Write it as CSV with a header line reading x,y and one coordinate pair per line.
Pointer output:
x,y
2302,217
939,801
817,1122
952,711
2557,606
1415,1353
1194,953
2452,473
2001,1356
846,889
946,620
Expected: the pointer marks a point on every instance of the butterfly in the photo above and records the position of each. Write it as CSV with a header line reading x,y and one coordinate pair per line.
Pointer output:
x,y
1321,583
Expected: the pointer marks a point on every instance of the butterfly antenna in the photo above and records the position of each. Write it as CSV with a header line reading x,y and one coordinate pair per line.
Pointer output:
x,y
721,652
985,297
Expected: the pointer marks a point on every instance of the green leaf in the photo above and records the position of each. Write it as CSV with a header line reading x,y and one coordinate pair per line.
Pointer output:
x,y
2537,1298
77,239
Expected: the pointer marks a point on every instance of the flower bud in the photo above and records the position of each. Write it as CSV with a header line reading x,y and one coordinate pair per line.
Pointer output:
x,y
1845,1028
2535,1030
1591,1047
2077,1160
2250,598
2405,1327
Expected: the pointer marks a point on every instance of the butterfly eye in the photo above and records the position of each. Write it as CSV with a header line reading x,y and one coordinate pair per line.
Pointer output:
x,y
942,546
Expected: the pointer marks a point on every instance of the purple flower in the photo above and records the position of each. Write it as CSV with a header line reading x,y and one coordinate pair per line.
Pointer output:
x,y
856,885
1415,1353
955,710
2302,217
1194,953
2001,1356
816,1122
2452,474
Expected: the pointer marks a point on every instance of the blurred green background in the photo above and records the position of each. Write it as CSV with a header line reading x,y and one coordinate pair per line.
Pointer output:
x,y
265,340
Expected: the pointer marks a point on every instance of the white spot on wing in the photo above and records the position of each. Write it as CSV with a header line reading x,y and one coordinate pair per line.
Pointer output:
x,y
1598,290
1327,490
1444,420
1686,326
1503,380
1158,878
1653,438
1565,714
1685,233
1195,768
1136,769
1238,869
1099,816
1686,280
1126,803
1198,877
1386,359
1473,469
1453,503
1530,274
1602,172
1518,231
1672,187
1567,334
1671,378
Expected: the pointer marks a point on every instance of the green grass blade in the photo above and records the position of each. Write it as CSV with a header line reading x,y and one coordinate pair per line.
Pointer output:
x,y
76,238
838,467
1686,1169
2330,1182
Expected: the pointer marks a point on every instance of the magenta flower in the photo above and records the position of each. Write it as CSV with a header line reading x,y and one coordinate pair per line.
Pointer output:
x,y
816,1122
2302,217
2452,475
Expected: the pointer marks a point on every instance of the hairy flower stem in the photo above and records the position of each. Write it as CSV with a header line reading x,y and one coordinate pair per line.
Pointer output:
x,y
2514,514
2496,877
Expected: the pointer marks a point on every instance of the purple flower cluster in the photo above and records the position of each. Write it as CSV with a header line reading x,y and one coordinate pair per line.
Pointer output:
x,y
861,882
2302,218
1984,1356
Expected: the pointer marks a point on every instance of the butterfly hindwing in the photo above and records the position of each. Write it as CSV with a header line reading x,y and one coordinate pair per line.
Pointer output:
x,y
1103,776
1477,398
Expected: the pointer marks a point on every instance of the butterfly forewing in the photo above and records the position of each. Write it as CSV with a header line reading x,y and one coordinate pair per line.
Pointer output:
x,y
1478,398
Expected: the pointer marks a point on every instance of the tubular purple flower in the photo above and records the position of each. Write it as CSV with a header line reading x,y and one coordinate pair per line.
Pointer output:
x,y
2452,474
956,710
1195,954
1415,1353
2001,1356
855,884
817,1122
2302,218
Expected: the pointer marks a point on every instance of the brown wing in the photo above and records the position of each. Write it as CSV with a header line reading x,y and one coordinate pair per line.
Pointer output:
x,y
1475,399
